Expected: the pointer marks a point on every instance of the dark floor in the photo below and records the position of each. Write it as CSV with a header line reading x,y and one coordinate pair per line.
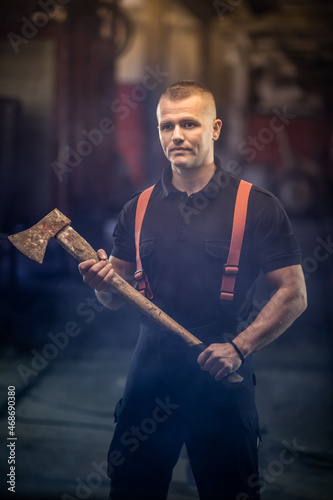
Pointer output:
x,y
66,393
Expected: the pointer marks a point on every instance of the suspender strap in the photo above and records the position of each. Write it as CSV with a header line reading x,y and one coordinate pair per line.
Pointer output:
x,y
140,275
230,268
238,227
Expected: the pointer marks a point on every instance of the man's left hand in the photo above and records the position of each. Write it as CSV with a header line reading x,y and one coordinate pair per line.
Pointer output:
x,y
219,360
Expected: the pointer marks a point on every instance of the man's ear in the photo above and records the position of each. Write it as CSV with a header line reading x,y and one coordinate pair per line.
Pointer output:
x,y
217,125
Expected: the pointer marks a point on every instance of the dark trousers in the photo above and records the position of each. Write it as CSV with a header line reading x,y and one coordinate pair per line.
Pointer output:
x,y
169,401
221,446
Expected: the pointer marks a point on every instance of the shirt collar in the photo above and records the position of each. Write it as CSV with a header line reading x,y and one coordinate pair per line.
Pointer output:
x,y
168,188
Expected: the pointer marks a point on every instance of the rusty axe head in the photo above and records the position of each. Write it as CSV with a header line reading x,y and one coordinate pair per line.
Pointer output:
x,y
33,242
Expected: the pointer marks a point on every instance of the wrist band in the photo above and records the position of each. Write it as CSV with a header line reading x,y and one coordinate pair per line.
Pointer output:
x,y
237,350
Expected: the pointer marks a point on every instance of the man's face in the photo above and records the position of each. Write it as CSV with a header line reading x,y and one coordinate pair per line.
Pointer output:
x,y
187,131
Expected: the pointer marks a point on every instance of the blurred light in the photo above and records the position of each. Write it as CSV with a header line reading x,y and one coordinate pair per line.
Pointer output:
x,y
59,14
131,4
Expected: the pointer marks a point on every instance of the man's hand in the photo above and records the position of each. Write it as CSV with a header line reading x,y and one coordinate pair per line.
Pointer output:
x,y
219,360
97,274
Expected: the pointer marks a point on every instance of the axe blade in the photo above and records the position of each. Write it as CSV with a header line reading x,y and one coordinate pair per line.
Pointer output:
x,y
33,241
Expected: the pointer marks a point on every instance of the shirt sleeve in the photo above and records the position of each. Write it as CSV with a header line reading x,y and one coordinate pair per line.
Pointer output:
x,y
273,242
123,235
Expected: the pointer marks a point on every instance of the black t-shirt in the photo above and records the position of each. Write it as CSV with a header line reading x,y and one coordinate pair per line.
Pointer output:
x,y
185,242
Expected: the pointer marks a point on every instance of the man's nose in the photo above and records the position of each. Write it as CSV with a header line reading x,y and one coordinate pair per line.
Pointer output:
x,y
177,134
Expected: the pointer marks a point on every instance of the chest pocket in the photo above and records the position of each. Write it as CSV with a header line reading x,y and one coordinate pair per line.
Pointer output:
x,y
216,252
217,248
214,248
147,252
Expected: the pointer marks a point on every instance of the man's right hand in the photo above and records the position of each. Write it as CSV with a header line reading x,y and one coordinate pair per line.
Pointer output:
x,y
97,274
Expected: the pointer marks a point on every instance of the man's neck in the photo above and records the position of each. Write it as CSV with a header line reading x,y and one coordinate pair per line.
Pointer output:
x,y
192,180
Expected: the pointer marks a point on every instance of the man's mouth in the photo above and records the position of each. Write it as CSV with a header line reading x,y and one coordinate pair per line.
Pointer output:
x,y
178,150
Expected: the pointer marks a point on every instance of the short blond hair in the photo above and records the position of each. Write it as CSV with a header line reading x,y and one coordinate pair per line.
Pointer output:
x,y
187,88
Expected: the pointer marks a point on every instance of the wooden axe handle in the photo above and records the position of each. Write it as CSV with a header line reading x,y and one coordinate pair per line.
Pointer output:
x,y
80,249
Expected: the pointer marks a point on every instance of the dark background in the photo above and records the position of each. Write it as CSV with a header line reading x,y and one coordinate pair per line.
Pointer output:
x,y
71,70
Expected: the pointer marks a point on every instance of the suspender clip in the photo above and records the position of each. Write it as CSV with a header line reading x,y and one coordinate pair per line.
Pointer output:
x,y
230,269
226,297
139,275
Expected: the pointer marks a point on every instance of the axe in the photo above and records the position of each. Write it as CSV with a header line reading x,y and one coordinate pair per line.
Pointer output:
x,y
33,243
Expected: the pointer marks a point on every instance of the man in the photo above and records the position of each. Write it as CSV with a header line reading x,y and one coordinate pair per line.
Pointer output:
x,y
184,244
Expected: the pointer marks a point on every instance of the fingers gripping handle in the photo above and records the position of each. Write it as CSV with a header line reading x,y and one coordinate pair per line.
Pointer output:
x,y
232,380
80,249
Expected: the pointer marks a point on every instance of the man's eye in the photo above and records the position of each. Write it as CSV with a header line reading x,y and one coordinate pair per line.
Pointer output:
x,y
189,125
166,128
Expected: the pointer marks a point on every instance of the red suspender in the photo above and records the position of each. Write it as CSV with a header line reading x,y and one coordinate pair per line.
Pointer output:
x,y
140,275
238,226
230,267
